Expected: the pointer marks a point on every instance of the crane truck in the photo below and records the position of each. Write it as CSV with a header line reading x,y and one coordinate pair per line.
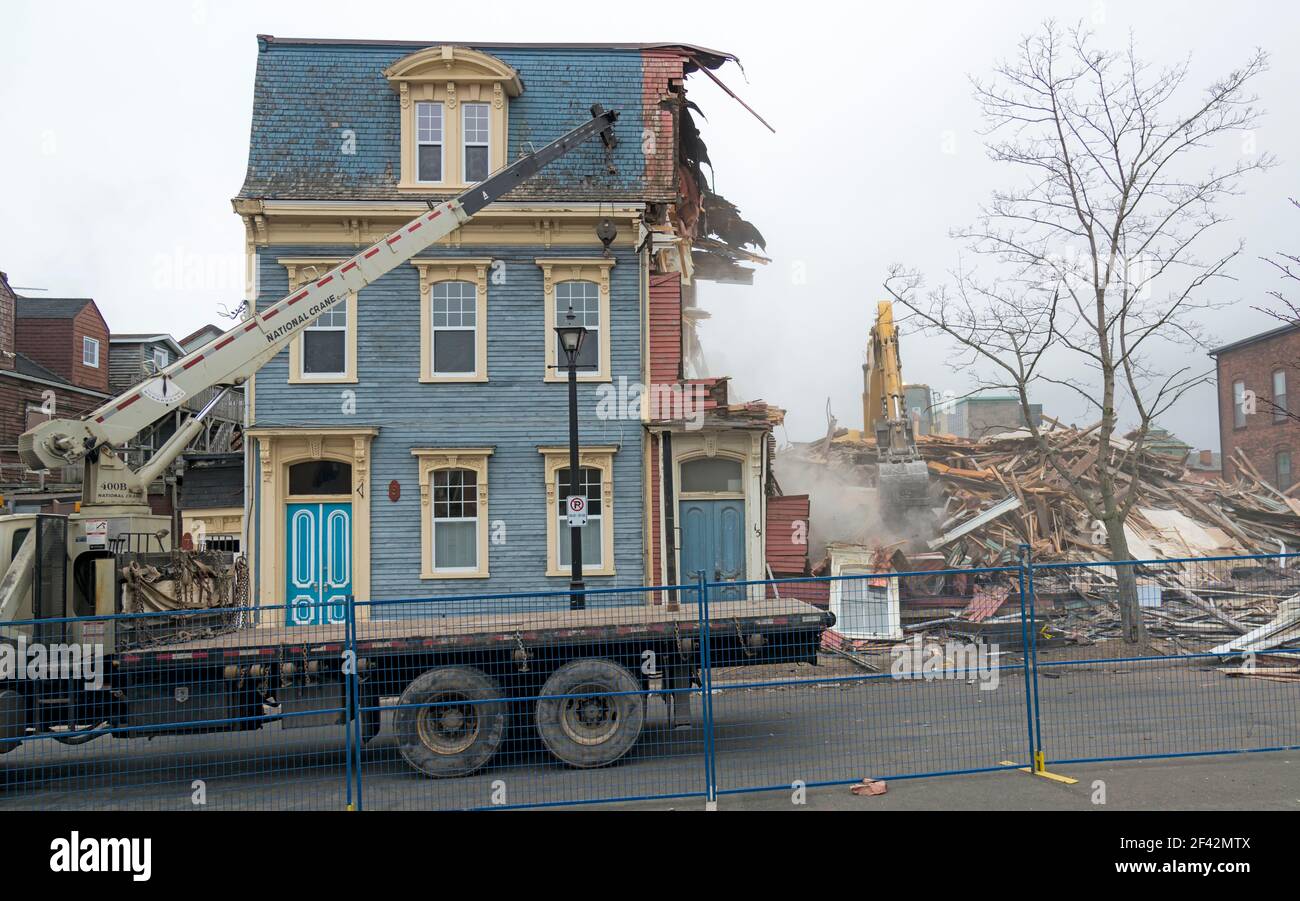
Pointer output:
x,y
458,679
904,479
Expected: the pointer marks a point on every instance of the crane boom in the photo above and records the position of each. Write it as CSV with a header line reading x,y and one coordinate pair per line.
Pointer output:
x,y
238,353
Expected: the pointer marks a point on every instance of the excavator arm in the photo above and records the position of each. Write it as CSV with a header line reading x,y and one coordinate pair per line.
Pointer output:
x,y
904,480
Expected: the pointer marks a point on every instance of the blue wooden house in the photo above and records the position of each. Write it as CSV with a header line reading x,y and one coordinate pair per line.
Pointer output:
x,y
413,442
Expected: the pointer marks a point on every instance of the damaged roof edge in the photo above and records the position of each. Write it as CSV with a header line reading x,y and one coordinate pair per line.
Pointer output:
x,y
711,59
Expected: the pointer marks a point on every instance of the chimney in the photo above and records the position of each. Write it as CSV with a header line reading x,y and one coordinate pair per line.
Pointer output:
x,y
8,315
1207,458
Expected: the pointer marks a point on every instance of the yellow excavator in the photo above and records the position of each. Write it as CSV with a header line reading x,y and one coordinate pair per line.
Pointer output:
x,y
904,481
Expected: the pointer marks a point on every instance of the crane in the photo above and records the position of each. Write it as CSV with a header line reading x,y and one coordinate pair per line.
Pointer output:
x,y
904,480
115,496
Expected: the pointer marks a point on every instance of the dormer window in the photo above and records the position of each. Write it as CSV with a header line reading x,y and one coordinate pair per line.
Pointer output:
x,y
454,111
476,139
160,358
428,140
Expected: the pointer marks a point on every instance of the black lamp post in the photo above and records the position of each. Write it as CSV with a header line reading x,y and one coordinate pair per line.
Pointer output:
x,y
571,338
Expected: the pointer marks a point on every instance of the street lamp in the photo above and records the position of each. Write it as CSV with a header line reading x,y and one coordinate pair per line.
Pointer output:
x,y
571,337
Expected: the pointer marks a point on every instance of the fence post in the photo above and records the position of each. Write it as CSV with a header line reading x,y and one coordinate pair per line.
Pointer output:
x,y
1024,644
1040,762
352,713
706,690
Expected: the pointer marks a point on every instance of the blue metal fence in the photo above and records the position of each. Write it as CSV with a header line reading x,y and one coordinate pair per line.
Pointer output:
x,y
694,691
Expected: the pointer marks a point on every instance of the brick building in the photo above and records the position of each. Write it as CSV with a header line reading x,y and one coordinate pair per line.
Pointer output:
x,y
1258,413
62,371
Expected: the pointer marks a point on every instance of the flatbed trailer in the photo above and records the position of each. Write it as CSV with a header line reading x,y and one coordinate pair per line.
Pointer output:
x,y
460,682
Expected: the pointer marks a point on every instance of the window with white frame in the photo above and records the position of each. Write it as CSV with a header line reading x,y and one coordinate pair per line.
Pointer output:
x,y
1282,466
160,358
455,520
589,486
428,141
454,320
1280,407
475,130
1239,404
90,353
453,512
583,297
324,343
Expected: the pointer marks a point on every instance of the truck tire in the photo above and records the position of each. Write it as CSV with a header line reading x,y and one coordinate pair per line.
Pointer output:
x,y
13,718
458,736
590,732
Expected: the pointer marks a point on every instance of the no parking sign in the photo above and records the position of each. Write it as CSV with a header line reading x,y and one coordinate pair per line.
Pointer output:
x,y
576,507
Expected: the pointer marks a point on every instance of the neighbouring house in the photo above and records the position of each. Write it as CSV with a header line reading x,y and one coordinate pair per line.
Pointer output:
x,y
1204,466
137,357
980,416
54,359
413,441
212,501
1259,418
200,336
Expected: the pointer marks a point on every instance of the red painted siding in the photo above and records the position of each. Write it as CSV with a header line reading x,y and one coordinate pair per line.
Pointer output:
x,y
787,519
89,324
665,328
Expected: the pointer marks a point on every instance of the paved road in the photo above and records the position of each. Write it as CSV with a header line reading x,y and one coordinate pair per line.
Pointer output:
x,y
766,737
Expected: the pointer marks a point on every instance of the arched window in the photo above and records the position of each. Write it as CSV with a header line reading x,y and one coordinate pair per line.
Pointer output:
x,y
712,475
320,477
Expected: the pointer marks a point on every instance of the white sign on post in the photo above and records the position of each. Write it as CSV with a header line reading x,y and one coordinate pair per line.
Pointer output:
x,y
97,533
576,507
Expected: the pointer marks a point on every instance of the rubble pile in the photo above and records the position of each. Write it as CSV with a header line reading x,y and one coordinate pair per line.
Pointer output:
x,y
998,493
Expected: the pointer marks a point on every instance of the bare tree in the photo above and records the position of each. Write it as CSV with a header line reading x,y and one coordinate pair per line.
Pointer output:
x,y
1287,311
1092,261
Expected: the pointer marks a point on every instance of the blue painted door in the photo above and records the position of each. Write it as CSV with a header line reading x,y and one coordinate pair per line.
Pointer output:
x,y
713,542
318,568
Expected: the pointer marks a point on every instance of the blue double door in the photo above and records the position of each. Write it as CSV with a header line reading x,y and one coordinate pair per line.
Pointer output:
x,y
713,543
318,570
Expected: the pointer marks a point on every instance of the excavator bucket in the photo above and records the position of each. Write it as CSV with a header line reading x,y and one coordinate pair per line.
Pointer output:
x,y
904,488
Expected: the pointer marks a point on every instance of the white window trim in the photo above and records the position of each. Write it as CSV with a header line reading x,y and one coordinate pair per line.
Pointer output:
x,y
86,344
302,270
430,459
441,145
465,143
589,269
460,270
598,457
166,361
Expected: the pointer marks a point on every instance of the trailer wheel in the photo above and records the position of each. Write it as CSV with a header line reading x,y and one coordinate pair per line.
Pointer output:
x,y
458,735
591,731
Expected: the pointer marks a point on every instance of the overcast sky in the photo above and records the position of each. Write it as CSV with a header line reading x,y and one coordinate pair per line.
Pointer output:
x,y
129,122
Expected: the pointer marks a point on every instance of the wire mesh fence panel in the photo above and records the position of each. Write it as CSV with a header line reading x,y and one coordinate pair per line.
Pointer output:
x,y
1205,674
184,709
529,699
870,696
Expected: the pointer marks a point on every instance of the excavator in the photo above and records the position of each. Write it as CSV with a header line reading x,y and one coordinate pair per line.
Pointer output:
x,y
904,480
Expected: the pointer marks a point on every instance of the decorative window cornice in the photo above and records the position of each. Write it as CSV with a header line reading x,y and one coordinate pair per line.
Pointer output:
x,y
429,460
589,269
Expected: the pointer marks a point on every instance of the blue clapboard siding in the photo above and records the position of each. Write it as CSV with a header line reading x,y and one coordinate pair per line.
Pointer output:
x,y
308,96
515,412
